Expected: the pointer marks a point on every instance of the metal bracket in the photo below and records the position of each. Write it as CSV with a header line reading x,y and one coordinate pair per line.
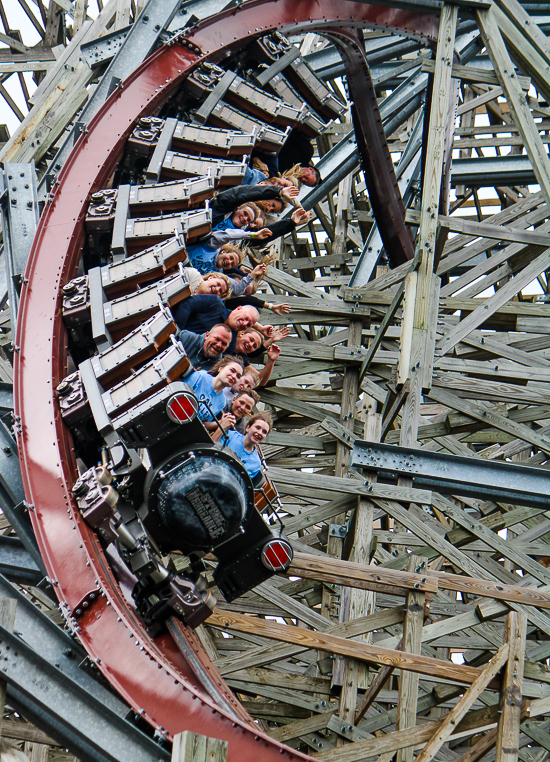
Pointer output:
x,y
338,530
19,222
277,67
103,49
218,91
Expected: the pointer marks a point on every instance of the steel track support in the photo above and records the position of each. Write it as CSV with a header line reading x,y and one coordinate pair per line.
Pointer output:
x,y
19,222
454,474
376,162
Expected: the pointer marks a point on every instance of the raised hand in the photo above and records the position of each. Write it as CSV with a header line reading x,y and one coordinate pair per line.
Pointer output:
x,y
263,234
281,309
273,352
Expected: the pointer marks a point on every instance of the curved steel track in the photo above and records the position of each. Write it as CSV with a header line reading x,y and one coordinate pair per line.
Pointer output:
x,y
162,686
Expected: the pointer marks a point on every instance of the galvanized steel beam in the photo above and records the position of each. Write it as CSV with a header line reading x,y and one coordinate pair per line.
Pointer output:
x,y
481,478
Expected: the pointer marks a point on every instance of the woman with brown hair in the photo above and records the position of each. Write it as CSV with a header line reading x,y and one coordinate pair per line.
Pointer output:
x,y
209,385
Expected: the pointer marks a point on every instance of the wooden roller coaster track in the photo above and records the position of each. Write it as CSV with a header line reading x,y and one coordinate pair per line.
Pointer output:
x,y
413,619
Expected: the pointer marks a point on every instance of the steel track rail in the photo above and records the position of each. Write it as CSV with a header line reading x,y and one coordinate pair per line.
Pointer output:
x,y
151,675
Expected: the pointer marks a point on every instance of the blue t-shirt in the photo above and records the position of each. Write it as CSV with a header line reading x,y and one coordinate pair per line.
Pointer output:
x,y
250,460
253,176
224,224
201,313
201,383
202,256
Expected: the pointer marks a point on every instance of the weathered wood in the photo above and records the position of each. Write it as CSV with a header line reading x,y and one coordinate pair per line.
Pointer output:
x,y
192,747
261,656
507,742
411,643
357,574
392,742
484,311
485,394
457,713
356,650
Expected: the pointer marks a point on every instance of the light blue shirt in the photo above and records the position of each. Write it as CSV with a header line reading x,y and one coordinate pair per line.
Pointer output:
x,y
251,460
253,176
201,383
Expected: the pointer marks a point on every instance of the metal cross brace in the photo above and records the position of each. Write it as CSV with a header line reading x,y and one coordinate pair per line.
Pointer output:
x,y
454,474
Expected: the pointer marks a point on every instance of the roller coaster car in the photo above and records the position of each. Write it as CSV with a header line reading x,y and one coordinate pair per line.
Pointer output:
x,y
184,493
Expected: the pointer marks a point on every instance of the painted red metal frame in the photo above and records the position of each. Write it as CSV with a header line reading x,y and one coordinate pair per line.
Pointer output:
x,y
376,162
151,675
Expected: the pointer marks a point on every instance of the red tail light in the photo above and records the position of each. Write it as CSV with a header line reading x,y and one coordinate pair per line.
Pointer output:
x,y
277,555
182,407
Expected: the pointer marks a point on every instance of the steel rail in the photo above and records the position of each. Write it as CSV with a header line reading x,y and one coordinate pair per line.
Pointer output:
x,y
376,162
150,675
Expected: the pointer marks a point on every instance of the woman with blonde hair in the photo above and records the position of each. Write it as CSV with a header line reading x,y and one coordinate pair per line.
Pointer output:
x,y
211,283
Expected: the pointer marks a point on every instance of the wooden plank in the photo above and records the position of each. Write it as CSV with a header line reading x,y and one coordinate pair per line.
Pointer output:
x,y
529,29
193,747
472,74
337,571
507,742
301,727
418,359
530,53
10,68
484,229
8,608
450,722
490,418
262,655
336,645
339,484
492,539
302,612
411,643
504,69
380,333
391,742
453,554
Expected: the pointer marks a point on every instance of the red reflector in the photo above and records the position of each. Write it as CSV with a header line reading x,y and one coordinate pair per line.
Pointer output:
x,y
277,555
182,407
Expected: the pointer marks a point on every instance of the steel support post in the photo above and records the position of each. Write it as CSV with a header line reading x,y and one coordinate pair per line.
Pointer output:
x,y
19,221
16,564
343,159
12,495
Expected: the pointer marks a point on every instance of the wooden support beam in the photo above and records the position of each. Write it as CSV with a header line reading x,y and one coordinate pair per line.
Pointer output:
x,y
450,722
419,354
411,643
507,742
484,229
505,71
355,603
474,75
262,655
192,747
333,644
482,312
